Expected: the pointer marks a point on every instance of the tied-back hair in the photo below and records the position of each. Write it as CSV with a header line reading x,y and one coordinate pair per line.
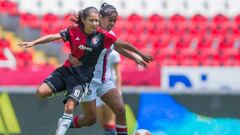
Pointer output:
x,y
77,17
107,10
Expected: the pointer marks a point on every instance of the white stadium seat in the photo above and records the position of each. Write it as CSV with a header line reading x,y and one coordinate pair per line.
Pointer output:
x,y
195,7
31,6
174,6
187,8
47,6
71,5
215,7
233,7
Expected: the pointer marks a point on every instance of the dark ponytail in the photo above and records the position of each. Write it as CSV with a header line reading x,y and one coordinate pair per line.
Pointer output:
x,y
107,10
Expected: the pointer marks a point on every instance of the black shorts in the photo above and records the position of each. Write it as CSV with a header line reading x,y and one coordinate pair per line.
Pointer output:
x,y
63,79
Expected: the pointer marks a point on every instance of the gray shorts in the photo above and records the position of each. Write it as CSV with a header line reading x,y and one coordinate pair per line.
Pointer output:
x,y
97,89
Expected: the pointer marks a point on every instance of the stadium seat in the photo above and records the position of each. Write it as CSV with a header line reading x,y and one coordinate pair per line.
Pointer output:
x,y
227,42
162,41
194,7
215,7
50,24
8,7
24,59
155,18
29,20
30,6
233,8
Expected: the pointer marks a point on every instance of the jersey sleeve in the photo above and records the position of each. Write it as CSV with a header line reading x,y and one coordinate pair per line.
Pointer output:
x,y
65,35
109,40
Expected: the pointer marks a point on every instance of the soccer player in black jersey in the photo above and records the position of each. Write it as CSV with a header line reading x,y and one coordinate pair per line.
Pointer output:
x,y
87,41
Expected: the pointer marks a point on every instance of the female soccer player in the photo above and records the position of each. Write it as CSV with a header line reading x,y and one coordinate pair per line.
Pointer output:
x,y
104,114
87,42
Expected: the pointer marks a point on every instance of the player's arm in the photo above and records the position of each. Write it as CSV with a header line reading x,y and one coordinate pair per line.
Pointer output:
x,y
130,56
128,46
41,40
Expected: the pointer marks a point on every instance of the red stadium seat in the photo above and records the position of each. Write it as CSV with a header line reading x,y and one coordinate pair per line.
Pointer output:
x,y
162,41
177,18
9,7
24,59
4,43
2,56
188,59
66,20
220,19
198,18
50,24
120,27
134,18
177,28
135,29
230,57
227,42
184,41
166,56
237,19
211,60
236,28
156,29
198,24
198,28
50,18
29,20
219,28
205,42
155,18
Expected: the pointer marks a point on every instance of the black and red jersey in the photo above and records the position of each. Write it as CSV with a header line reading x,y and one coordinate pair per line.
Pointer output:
x,y
86,48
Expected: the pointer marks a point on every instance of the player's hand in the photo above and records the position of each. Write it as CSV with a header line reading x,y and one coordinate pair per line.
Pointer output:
x,y
141,62
147,58
26,44
74,61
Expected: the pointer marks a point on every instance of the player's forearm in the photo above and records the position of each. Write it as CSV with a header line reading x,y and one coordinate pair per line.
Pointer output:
x,y
129,47
46,39
124,53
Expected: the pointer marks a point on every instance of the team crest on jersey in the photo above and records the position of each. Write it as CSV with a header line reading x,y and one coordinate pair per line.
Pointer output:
x,y
95,40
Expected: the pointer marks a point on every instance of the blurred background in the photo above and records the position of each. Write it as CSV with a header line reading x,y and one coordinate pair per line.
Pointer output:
x,y
192,87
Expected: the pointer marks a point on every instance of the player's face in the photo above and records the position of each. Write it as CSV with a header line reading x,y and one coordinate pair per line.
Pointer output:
x,y
108,22
91,22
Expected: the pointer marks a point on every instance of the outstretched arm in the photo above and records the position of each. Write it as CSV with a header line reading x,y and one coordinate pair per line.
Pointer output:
x,y
128,46
130,56
41,40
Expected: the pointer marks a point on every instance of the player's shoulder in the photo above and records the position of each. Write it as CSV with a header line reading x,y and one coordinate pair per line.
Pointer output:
x,y
105,32
100,30
111,32
73,27
114,53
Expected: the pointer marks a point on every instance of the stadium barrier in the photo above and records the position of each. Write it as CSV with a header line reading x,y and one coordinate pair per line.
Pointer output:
x,y
144,110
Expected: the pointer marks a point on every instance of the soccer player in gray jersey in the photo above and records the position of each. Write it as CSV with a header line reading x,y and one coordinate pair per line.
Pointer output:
x,y
105,115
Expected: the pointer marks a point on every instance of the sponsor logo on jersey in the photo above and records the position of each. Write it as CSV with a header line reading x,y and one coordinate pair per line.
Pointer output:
x,y
83,47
